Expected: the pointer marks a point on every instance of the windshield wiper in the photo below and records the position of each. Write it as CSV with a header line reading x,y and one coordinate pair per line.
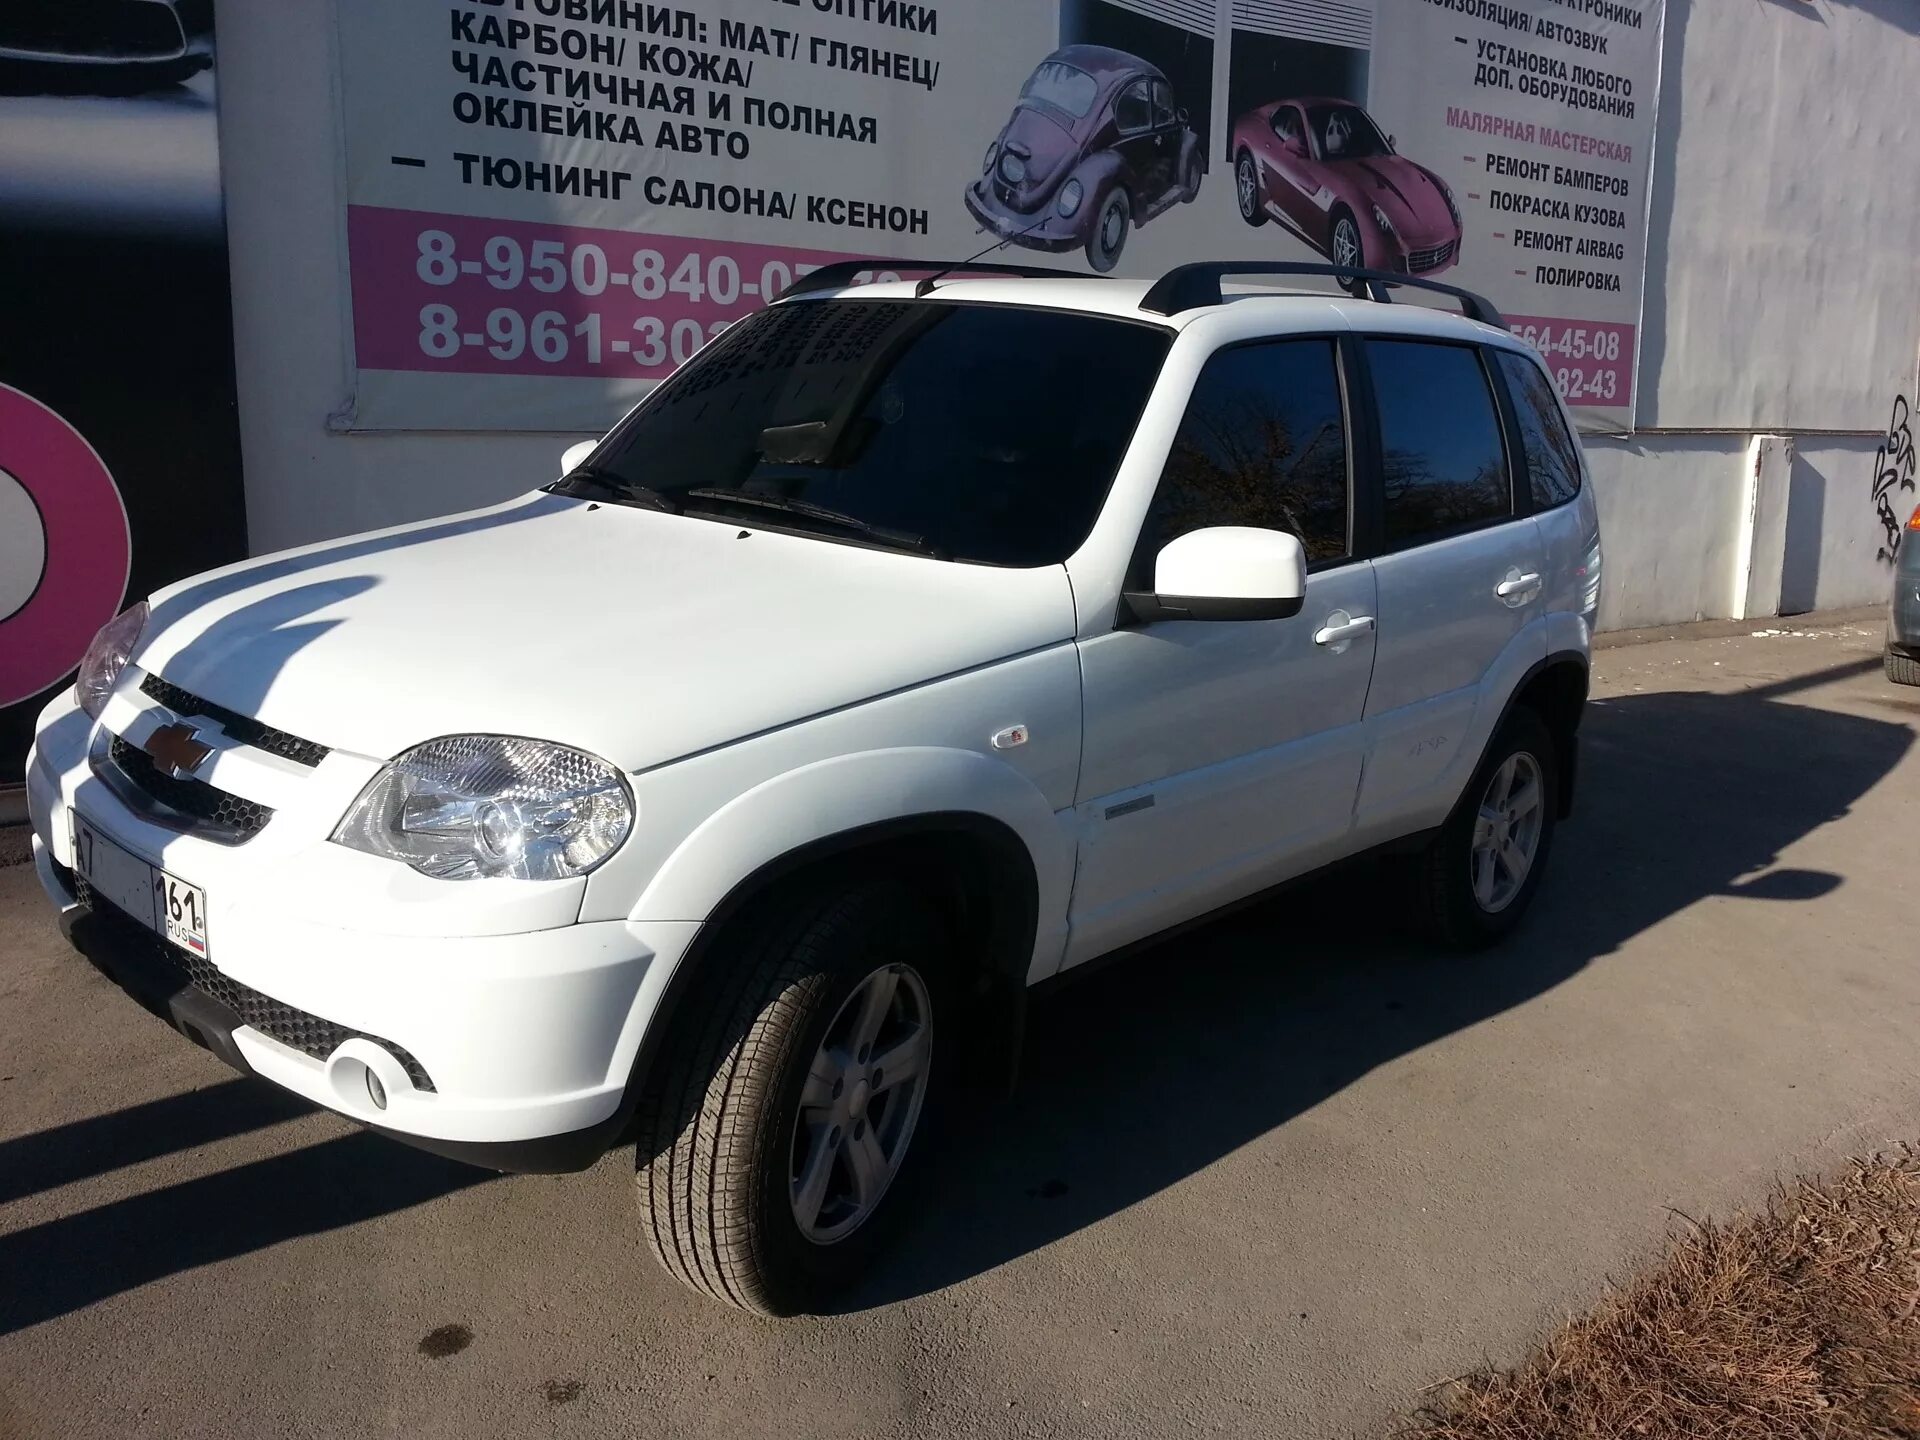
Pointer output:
x,y
806,509
623,491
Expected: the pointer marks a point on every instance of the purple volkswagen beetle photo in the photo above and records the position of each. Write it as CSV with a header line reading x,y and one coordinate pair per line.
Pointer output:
x,y
1322,168
1095,145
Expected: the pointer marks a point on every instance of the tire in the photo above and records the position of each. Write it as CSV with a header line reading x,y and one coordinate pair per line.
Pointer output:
x,y
1447,904
1343,234
1109,234
1902,669
1246,189
1190,179
724,1119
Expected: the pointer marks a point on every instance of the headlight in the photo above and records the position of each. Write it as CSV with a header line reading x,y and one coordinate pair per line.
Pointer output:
x,y
1069,201
1453,208
1380,219
106,657
1012,169
474,807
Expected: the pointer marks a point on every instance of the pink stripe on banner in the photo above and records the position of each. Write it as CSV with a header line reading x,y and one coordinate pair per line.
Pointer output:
x,y
473,296
1591,360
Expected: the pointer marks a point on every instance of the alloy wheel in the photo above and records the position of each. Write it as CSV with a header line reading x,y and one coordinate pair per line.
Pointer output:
x,y
1247,187
1506,832
1346,243
860,1103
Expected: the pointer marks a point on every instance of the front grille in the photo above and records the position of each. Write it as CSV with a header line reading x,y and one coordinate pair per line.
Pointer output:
x,y
164,965
103,29
243,728
228,819
1431,258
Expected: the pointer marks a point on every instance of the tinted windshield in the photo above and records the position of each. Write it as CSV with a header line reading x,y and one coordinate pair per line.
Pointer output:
x,y
1346,133
1062,87
990,432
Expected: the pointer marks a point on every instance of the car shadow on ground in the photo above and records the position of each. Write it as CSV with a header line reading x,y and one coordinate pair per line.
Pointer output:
x,y
1136,1077
1166,1062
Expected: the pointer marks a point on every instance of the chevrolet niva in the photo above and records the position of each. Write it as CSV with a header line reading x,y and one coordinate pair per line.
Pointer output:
x,y
913,644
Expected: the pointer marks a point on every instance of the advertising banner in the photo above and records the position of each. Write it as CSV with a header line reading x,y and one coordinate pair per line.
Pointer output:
x,y
119,436
551,203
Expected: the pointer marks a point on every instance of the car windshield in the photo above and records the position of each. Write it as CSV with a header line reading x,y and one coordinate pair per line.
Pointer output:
x,y
987,433
1063,87
1345,132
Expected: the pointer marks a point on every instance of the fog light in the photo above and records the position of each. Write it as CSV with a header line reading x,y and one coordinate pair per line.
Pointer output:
x,y
376,1092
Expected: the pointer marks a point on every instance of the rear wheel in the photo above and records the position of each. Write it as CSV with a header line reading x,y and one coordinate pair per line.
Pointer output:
x,y
1246,189
1109,235
774,1130
1478,875
1902,669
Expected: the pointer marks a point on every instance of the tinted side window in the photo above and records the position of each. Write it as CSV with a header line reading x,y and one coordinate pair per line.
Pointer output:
x,y
1553,459
1131,110
1444,463
1263,443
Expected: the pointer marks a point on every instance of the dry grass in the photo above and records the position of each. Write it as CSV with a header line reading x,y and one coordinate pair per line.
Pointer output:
x,y
1801,1321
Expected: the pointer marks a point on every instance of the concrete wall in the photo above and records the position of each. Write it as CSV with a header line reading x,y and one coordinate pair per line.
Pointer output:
x,y
1783,296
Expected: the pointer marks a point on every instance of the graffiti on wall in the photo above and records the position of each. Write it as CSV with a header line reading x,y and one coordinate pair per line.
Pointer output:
x,y
1893,466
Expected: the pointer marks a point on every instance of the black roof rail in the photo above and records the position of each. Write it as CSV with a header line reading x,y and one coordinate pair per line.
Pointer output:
x,y
1190,287
841,272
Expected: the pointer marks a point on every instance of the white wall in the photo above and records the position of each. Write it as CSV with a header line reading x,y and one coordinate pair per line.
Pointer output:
x,y
1783,288
280,154
1667,509
1783,295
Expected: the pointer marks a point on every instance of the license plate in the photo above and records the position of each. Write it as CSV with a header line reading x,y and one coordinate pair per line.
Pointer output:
x,y
163,902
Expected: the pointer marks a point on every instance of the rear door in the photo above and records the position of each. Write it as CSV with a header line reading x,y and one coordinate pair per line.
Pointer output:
x,y
1222,756
1461,575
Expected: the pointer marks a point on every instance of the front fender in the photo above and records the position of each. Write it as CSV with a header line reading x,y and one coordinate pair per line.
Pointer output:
x,y
829,798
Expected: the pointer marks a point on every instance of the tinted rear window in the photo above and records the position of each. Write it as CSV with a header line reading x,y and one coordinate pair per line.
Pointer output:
x,y
990,431
1553,459
1445,461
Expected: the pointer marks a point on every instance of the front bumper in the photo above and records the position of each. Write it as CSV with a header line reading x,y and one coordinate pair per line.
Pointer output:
x,y
511,1049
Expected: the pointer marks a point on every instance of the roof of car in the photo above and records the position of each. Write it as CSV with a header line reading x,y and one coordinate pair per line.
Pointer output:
x,y
1294,309
1102,61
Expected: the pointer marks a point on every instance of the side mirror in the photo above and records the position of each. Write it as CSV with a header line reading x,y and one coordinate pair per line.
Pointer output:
x,y
1226,572
1181,117
575,455
1390,144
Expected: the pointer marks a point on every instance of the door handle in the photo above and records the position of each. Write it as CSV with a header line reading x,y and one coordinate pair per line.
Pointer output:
x,y
1339,635
1521,586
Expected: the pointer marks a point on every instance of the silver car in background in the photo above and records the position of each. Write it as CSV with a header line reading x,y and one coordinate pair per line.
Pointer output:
x,y
1903,613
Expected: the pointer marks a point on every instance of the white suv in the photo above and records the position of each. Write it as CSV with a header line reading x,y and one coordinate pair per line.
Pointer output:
x,y
911,645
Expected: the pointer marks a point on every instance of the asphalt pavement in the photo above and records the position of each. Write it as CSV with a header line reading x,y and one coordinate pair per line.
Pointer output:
x,y
1271,1178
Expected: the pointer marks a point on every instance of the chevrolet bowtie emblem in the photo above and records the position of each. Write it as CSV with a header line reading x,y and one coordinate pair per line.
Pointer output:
x,y
177,749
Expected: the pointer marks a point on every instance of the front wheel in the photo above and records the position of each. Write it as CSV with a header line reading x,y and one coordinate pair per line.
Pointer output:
x,y
775,1127
1190,179
1109,235
1478,875
1902,669
1344,248
1246,189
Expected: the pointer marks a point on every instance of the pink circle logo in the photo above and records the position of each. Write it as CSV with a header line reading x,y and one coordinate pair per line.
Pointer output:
x,y
65,547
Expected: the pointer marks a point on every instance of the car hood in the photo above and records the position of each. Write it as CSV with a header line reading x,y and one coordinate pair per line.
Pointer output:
x,y
1410,196
634,634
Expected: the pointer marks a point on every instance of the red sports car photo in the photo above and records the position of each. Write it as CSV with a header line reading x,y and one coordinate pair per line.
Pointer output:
x,y
1322,168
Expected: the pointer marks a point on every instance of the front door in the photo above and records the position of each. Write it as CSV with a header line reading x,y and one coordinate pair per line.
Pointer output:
x,y
1461,582
1223,756
1143,145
